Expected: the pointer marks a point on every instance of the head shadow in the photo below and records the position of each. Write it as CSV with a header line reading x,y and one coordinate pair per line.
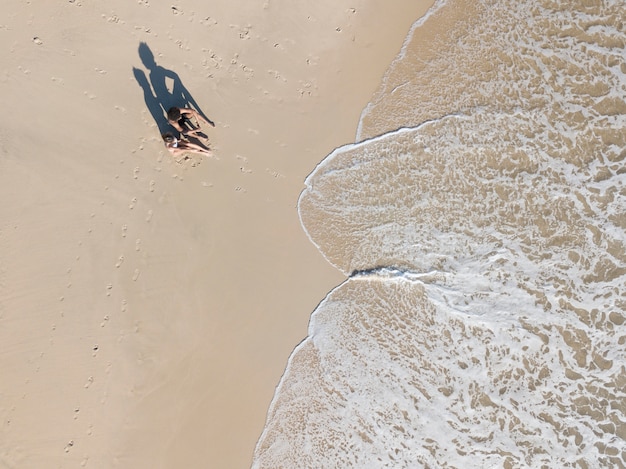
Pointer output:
x,y
162,89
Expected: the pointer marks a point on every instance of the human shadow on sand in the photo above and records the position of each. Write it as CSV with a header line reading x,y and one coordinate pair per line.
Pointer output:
x,y
162,89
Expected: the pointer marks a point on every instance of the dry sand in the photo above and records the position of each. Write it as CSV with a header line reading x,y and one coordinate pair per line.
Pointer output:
x,y
148,308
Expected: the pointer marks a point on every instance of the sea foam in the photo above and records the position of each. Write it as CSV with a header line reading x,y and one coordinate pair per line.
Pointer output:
x,y
481,221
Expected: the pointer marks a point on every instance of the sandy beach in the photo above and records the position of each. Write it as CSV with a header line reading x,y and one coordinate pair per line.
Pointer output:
x,y
148,307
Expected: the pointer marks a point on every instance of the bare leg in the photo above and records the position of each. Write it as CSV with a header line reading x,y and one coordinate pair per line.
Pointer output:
x,y
193,132
199,117
206,121
186,128
192,147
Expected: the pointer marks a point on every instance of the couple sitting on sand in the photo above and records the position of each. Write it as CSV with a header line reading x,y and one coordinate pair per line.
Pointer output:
x,y
180,119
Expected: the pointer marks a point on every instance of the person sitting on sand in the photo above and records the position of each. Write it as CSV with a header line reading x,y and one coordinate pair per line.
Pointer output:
x,y
180,147
180,119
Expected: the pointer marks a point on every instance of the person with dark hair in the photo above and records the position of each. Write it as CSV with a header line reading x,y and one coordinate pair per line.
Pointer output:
x,y
179,147
180,119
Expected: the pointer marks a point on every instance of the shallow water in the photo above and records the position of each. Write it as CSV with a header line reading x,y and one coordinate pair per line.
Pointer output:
x,y
482,221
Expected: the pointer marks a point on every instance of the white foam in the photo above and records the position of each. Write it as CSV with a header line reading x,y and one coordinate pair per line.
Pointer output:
x,y
437,5
482,324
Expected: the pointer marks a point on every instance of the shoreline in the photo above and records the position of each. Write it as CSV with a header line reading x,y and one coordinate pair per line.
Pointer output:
x,y
148,301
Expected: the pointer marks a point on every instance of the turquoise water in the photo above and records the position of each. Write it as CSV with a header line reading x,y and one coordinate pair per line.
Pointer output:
x,y
481,224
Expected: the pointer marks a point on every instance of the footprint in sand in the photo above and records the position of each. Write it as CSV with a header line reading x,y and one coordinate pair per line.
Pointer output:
x,y
113,19
244,161
120,261
275,174
208,21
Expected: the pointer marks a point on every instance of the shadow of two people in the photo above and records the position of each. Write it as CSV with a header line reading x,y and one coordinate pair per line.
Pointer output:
x,y
158,97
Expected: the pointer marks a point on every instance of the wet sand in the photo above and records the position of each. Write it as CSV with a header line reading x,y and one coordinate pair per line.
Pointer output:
x,y
148,308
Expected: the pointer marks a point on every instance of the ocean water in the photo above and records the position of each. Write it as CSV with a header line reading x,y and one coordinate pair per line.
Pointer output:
x,y
481,225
